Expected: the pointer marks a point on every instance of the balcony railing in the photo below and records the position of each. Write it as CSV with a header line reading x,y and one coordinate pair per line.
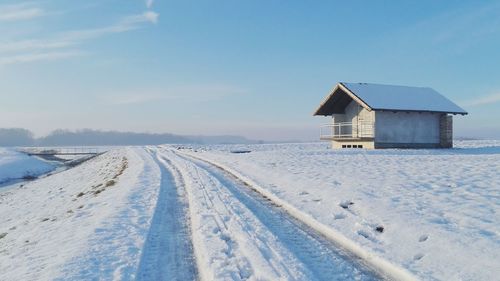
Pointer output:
x,y
347,130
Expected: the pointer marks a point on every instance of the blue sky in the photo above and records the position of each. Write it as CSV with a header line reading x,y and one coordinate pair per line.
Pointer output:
x,y
252,68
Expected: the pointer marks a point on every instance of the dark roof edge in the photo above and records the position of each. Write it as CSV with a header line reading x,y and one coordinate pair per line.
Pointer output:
x,y
353,93
325,100
359,100
416,110
348,91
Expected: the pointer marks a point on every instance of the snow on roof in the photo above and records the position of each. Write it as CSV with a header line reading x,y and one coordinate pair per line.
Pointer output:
x,y
404,98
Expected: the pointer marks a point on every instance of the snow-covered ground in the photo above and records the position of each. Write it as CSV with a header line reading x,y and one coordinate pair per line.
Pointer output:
x,y
240,235
15,165
162,214
81,224
433,212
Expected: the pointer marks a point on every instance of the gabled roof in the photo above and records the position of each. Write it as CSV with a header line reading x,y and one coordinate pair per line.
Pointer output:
x,y
387,97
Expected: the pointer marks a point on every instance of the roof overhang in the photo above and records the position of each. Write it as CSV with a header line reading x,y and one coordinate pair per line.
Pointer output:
x,y
341,96
421,111
337,100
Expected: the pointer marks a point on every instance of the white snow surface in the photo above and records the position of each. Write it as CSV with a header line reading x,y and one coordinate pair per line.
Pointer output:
x,y
77,224
105,219
234,239
439,209
15,165
392,97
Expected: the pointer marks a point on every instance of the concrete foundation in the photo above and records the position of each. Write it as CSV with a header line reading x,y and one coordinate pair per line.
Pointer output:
x,y
353,144
407,145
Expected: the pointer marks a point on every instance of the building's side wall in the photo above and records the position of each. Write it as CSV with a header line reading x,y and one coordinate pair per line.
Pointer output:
x,y
446,131
407,129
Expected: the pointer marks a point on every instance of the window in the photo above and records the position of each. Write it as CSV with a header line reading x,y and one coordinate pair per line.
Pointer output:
x,y
352,146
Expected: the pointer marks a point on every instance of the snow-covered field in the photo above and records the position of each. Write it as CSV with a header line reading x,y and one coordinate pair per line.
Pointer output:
x,y
87,222
240,235
160,213
433,212
15,165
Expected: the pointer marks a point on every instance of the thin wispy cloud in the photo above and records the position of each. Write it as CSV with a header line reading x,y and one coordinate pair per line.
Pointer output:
x,y
18,12
34,57
126,24
149,3
71,38
491,99
151,16
33,50
34,44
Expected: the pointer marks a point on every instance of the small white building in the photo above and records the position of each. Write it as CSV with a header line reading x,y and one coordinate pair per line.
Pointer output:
x,y
386,116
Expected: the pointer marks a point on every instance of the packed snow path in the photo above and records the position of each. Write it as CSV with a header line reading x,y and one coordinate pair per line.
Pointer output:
x,y
241,235
168,252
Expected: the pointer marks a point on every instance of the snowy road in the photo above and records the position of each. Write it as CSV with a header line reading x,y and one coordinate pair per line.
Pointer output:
x,y
239,234
168,252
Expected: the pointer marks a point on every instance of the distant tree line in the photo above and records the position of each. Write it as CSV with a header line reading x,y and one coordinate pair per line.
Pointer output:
x,y
89,137
94,137
16,137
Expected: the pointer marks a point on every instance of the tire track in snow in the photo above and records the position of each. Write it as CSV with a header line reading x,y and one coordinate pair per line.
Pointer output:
x,y
168,251
319,258
384,267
